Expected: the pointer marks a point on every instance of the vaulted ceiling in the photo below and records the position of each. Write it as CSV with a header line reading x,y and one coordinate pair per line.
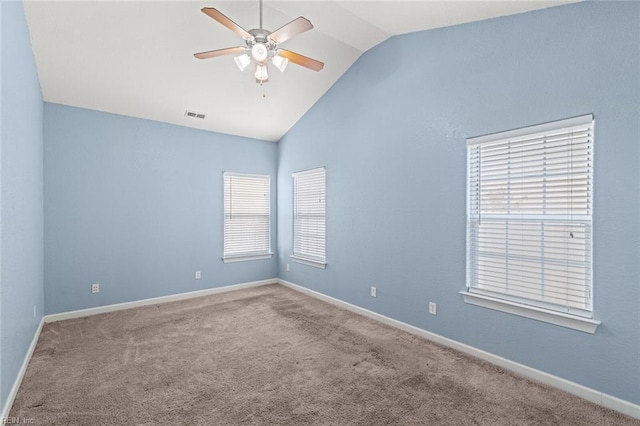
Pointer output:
x,y
136,58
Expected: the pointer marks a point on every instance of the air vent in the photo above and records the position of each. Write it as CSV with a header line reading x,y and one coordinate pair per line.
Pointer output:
x,y
193,114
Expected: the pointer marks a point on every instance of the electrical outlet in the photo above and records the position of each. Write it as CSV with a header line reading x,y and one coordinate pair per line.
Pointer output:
x,y
374,292
198,275
288,267
95,288
433,308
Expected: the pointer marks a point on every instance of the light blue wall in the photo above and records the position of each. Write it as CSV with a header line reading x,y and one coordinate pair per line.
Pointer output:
x,y
21,195
136,206
392,132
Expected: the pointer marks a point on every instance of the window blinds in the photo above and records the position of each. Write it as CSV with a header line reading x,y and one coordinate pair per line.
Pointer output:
x,y
529,221
309,222
246,215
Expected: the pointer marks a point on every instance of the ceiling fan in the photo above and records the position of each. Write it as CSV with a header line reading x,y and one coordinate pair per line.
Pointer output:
x,y
261,46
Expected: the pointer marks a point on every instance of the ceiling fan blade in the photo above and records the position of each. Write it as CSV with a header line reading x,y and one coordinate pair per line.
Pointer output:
x,y
219,52
301,60
292,29
220,17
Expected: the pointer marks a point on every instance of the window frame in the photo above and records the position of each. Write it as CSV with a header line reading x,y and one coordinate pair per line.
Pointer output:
x,y
302,257
579,319
249,254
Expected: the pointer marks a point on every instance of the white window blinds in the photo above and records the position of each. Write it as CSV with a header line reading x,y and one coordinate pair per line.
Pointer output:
x,y
246,216
529,221
309,216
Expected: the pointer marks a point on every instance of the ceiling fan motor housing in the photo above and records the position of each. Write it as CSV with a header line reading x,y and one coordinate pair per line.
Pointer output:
x,y
260,47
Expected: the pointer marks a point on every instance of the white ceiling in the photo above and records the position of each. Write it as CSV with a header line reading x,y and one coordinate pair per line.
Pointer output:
x,y
136,58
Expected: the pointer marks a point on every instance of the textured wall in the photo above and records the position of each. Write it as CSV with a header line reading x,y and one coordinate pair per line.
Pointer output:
x,y
392,132
21,198
136,206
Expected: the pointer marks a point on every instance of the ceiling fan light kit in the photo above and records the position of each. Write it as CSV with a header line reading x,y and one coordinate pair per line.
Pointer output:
x,y
261,46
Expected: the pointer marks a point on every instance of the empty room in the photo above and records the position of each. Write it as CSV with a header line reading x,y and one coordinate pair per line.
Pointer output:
x,y
320,212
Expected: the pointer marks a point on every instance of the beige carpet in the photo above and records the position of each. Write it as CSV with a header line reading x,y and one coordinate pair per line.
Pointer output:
x,y
270,355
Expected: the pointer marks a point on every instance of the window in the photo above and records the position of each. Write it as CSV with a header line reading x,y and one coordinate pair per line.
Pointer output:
x,y
309,217
529,212
247,230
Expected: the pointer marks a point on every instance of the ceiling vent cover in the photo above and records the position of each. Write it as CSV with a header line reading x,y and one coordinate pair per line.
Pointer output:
x,y
193,114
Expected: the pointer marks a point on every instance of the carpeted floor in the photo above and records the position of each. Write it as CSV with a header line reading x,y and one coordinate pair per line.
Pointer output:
x,y
270,355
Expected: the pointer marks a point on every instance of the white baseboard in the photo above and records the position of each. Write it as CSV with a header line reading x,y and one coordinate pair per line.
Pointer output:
x,y
111,308
584,392
153,301
23,368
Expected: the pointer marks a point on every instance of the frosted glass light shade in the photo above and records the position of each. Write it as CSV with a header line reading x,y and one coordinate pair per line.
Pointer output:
x,y
261,73
242,61
280,62
259,52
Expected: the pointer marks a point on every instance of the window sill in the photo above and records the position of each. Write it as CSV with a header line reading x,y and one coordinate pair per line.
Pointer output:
x,y
309,262
244,258
585,325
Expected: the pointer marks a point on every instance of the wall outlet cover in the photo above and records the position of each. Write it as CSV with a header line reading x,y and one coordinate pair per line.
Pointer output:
x,y
433,308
